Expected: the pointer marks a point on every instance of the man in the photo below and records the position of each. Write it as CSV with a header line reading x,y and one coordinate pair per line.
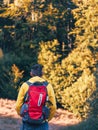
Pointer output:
x,y
36,76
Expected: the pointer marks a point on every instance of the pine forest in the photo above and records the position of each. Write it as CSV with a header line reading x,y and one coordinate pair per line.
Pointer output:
x,y
62,35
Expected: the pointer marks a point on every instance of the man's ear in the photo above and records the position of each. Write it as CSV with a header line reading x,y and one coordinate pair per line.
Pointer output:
x,y
31,74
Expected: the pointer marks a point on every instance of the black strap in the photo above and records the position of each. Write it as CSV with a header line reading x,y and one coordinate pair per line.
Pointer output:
x,y
37,83
29,83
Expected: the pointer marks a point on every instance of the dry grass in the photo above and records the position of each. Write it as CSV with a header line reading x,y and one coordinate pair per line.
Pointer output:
x,y
9,120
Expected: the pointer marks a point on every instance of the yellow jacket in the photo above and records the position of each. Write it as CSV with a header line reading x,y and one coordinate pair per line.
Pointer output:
x,y
24,89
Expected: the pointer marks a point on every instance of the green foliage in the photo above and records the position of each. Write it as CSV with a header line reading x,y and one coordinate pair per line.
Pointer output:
x,y
48,56
75,96
49,19
17,48
27,33
73,78
86,25
86,34
8,88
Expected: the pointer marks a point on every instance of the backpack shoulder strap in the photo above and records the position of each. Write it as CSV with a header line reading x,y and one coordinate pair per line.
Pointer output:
x,y
29,83
37,83
26,94
45,83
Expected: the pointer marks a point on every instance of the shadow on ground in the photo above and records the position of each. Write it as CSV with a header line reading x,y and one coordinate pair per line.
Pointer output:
x,y
10,123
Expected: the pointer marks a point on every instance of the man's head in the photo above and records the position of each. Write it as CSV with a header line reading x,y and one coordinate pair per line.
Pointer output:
x,y
36,70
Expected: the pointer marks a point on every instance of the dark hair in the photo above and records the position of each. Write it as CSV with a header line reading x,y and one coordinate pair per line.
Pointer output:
x,y
36,70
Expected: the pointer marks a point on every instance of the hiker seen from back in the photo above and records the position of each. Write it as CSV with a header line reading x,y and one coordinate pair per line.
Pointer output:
x,y
36,102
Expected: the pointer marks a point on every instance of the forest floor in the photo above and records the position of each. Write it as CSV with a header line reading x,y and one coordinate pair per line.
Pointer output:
x,y
9,120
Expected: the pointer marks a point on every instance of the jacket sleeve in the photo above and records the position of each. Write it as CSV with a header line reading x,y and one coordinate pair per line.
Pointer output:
x,y
52,106
20,97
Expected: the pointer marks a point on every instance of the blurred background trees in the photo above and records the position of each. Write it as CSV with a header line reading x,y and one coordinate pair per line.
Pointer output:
x,y
59,34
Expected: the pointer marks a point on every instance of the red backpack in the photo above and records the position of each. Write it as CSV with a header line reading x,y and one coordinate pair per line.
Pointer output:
x,y
34,109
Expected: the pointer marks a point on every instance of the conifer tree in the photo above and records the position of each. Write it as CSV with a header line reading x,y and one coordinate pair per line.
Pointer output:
x,y
88,35
73,79
86,54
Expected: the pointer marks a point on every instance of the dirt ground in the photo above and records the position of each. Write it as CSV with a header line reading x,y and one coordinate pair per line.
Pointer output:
x,y
9,120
